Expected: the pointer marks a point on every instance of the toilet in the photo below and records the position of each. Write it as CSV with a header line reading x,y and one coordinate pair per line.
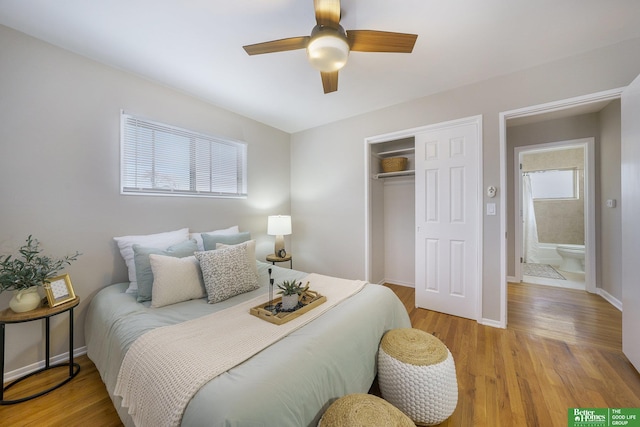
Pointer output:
x,y
572,258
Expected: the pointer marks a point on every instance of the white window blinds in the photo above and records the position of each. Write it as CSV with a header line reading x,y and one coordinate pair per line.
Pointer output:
x,y
159,159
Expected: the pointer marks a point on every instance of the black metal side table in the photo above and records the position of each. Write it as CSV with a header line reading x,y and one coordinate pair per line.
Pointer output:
x,y
8,316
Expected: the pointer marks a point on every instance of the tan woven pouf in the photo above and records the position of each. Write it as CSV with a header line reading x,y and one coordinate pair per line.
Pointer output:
x,y
363,410
416,374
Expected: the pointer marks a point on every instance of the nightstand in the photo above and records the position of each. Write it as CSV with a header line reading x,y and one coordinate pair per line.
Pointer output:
x,y
45,312
273,258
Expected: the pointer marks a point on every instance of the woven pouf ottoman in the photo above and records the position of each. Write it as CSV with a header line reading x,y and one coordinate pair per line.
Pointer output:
x,y
416,374
363,410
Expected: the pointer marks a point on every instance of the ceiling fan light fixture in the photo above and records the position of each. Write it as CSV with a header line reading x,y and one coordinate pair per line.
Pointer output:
x,y
328,46
328,49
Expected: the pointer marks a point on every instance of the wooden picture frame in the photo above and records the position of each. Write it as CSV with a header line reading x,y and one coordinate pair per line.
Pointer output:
x,y
59,290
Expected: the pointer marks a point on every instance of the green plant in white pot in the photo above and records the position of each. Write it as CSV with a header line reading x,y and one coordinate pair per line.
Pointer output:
x,y
25,274
290,291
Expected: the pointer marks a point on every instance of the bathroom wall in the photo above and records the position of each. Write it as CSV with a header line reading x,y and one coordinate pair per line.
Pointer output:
x,y
559,221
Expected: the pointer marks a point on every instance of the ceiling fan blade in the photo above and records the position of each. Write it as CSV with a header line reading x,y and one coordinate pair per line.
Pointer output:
x,y
381,41
329,81
327,12
281,45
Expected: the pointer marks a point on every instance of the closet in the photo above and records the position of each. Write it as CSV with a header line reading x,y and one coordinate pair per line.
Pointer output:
x,y
424,224
392,213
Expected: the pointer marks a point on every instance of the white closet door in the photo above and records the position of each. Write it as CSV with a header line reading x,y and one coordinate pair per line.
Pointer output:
x,y
630,205
448,219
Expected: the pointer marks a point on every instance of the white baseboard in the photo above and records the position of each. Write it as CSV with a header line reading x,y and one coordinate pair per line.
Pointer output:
x,y
610,298
492,323
487,322
512,279
400,283
26,370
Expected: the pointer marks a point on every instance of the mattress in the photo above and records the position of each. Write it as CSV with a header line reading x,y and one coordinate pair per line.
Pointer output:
x,y
290,383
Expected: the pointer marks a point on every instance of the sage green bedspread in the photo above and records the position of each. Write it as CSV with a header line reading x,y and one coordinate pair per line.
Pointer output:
x,y
290,383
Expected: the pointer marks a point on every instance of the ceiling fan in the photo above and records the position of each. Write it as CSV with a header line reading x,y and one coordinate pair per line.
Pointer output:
x,y
329,44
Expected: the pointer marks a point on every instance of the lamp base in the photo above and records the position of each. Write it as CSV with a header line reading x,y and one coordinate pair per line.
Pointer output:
x,y
279,245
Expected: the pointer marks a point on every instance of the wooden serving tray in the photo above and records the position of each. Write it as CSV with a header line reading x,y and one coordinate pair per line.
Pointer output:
x,y
310,300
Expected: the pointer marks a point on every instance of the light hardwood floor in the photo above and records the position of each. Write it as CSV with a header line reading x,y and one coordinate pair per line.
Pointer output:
x,y
562,350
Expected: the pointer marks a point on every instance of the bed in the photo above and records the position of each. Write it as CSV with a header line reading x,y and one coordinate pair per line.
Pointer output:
x,y
289,383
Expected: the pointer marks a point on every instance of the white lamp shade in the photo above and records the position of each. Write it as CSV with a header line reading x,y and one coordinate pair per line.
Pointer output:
x,y
328,52
279,225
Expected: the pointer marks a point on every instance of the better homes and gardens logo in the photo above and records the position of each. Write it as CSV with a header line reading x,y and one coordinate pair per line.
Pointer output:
x,y
604,417
589,417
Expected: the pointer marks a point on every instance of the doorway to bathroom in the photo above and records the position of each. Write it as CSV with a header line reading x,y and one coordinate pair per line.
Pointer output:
x,y
555,218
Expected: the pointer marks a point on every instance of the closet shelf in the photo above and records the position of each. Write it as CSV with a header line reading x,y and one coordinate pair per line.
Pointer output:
x,y
393,174
393,153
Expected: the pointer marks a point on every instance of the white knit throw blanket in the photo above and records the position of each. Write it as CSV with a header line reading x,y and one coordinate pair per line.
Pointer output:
x,y
165,367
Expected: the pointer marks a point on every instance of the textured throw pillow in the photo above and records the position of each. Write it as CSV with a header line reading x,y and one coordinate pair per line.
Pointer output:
x,y
144,274
225,231
175,280
226,273
211,240
159,240
251,252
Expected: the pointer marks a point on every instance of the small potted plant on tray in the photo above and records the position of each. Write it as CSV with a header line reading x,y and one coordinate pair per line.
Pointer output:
x,y
24,275
291,291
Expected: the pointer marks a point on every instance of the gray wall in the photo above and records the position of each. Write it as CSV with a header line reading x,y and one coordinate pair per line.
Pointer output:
x,y
59,172
399,231
328,162
609,237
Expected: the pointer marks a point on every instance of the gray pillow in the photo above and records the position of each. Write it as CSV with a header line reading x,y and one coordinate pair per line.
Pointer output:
x,y
144,274
226,273
251,252
211,240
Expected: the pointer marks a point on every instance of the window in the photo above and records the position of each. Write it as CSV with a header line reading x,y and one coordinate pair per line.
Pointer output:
x,y
554,184
158,159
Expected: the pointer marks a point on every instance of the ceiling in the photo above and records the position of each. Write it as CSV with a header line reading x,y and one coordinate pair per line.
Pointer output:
x,y
195,46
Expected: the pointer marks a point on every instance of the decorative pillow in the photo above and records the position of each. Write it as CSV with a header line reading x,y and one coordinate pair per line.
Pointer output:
x,y
251,252
211,240
226,273
226,231
159,240
144,274
175,280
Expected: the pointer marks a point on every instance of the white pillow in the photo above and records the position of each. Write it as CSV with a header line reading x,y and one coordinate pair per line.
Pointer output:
x,y
251,252
226,273
175,280
198,238
159,241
